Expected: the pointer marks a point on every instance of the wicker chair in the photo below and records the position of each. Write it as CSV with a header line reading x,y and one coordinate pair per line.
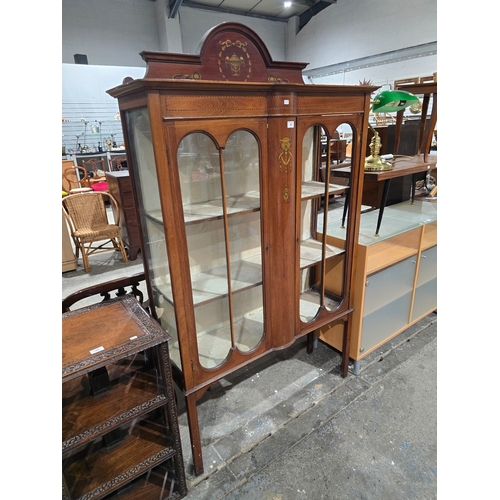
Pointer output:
x,y
89,225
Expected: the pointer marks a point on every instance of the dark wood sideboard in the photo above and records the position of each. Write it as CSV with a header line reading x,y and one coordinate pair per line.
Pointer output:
x,y
120,186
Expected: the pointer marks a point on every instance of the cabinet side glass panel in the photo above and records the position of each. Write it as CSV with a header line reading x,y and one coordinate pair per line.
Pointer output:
x,y
142,155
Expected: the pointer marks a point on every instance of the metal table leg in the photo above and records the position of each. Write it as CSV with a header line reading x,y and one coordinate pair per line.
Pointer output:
x,y
346,204
385,195
356,367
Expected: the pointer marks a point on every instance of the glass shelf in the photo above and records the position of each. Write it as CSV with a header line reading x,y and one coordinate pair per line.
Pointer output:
x,y
212,284
316,189
399,218
309,301
235,205
311,252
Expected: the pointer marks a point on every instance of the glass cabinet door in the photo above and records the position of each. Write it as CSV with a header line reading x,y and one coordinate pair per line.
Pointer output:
x,y
322,203
221,202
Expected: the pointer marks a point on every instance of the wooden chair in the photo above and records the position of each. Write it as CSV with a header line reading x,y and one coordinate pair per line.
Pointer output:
x,y
90,229
97,167
119,163
118,286
98,178
77,179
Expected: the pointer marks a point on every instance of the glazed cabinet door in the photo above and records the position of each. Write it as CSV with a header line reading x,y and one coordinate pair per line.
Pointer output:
x,y
213,305
221,201
322,279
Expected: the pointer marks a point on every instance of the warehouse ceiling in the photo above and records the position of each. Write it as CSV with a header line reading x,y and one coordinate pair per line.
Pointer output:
x,y
273,10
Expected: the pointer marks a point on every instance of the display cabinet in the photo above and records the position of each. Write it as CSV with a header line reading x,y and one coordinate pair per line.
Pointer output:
x,y
396,277
224,153
120,435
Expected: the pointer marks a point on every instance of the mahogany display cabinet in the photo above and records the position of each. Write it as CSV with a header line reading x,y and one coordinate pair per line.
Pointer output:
x,y
224,153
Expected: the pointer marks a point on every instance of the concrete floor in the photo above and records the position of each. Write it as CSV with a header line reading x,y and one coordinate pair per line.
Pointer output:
x,y
288,426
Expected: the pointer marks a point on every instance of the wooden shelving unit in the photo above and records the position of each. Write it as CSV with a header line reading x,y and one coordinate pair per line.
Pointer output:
x,y
119,419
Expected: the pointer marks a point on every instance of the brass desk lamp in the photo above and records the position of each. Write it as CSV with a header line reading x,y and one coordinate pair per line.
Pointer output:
x,y
388,101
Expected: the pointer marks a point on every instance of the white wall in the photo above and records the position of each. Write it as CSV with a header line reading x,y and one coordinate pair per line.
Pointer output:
x,y
196,22
349,30
353,29
114,32
109,32
385,74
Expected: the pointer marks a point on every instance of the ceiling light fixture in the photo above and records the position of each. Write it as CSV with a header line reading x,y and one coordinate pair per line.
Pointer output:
x,y
287,4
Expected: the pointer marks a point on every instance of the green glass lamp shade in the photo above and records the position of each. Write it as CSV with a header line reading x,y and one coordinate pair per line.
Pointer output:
x,y
389,101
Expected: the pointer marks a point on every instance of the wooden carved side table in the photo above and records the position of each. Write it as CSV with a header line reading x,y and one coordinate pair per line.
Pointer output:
x,y
120,435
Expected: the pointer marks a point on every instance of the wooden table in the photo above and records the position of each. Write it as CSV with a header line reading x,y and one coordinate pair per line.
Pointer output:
x,y
401,167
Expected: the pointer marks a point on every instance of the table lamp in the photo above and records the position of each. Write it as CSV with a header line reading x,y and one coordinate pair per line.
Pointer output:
x,y
387,101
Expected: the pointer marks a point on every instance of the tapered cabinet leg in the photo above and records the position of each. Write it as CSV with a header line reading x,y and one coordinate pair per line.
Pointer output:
x,y
194,433
310,343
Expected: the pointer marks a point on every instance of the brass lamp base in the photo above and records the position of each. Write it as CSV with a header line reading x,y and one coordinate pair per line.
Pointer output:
x,y
375,163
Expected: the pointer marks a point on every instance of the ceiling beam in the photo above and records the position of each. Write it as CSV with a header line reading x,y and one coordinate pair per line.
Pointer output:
x,y
173,7
237,12
306,16
314,8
